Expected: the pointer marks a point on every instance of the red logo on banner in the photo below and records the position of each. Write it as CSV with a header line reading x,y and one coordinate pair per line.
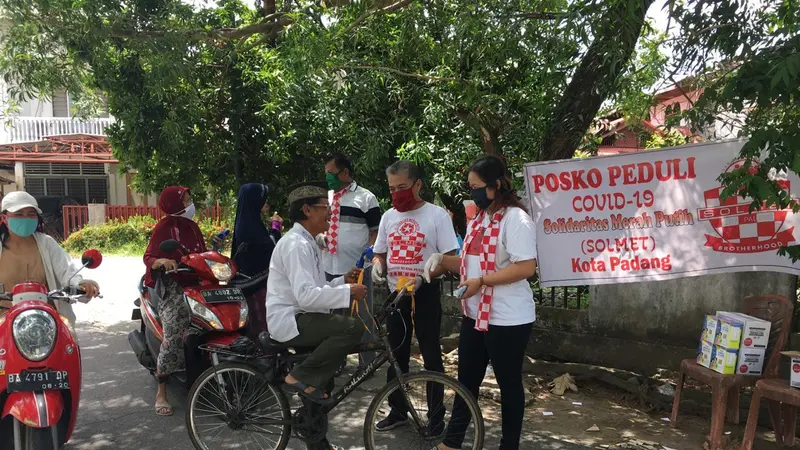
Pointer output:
x,y
740,231
748,342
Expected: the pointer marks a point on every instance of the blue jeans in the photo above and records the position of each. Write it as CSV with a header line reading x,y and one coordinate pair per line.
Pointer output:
x,y
366,357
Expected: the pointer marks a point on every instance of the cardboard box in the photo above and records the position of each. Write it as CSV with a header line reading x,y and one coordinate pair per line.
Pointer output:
x,y
750,361
723,360
710,326
794,368
755,332
704,354
723,331
716,358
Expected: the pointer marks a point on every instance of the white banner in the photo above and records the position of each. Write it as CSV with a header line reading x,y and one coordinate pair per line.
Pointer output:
x,y
651,215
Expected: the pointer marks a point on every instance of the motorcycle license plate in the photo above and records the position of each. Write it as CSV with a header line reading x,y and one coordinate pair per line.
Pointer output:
x,y
48,380
223,295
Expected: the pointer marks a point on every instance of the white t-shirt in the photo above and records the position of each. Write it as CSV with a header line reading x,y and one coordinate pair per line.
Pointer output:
x,y
512,304
410,238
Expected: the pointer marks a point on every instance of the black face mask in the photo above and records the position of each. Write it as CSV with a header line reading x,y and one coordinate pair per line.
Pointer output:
x,y
480,198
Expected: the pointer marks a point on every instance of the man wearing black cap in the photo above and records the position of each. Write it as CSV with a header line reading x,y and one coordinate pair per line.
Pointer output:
x,y
299,301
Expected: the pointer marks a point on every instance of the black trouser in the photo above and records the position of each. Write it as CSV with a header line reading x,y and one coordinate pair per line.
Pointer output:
x,y
427,324
505,348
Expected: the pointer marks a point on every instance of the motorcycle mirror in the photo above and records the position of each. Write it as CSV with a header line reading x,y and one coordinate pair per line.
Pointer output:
x,y
169,246
92,259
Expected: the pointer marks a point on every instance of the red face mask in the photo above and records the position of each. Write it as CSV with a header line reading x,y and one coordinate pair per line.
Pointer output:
x,y
404,201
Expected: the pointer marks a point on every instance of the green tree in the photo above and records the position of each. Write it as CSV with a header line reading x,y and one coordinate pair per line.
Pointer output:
x,y
748,58
216,96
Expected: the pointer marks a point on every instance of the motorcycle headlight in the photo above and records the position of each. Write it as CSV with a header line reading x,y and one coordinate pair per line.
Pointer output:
x,y
243,312
205,313
34,334
222,271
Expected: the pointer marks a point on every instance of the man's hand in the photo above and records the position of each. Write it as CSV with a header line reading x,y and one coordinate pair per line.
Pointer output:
x,y
165,263
358,291
378,275
431,265
351,277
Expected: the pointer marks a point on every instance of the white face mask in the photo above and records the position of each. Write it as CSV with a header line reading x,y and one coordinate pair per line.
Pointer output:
x,y
188,213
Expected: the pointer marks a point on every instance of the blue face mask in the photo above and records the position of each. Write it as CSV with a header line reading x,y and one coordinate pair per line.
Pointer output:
x,y
22,226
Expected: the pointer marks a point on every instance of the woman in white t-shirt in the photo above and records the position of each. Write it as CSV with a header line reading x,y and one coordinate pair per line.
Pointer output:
x,y
498,256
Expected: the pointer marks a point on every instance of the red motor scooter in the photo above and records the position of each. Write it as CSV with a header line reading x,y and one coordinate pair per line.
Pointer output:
x,y
40,366
218,306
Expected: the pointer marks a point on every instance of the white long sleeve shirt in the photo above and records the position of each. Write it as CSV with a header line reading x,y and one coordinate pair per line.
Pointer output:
x,y
296,284
59,268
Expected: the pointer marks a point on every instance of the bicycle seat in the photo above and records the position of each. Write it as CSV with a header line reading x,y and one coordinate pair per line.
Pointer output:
x,y
269,345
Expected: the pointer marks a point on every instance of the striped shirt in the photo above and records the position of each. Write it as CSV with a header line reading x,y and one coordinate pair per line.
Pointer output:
x,y
359,214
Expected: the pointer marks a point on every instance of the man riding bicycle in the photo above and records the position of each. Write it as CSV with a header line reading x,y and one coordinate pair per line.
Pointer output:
x,y
299,301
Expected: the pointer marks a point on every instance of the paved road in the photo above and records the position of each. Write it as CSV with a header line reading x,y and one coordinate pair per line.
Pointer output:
x,y
116,407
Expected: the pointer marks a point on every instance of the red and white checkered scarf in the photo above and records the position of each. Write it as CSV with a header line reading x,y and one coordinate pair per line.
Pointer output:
x,y
488,256
336,211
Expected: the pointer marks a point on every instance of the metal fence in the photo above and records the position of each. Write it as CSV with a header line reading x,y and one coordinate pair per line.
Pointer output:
x,y
568,297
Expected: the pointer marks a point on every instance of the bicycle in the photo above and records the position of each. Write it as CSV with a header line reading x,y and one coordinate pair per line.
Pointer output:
x,y
260,407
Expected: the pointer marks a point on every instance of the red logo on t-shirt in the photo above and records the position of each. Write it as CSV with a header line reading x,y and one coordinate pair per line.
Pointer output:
x,y
406,244
748,342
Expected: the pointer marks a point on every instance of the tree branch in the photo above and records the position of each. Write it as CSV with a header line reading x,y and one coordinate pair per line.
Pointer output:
x,y
399,72
594,80
376,11
542,15
218,33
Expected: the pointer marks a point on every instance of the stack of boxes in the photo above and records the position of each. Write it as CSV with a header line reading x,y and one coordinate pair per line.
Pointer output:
x,y
734,343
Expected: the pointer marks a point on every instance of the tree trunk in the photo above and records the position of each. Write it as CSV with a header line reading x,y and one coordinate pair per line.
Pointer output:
x,y
595,79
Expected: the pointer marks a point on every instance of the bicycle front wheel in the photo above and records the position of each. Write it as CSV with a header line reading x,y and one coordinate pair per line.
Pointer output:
x,y
232,405
442,406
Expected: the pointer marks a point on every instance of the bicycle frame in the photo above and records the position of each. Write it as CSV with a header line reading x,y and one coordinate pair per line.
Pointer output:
x,y
386,354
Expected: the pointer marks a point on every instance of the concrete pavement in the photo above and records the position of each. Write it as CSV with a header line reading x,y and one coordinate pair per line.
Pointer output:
x,y
117,399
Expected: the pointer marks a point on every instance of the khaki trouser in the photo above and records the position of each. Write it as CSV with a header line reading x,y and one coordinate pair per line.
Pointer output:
x,y
334,337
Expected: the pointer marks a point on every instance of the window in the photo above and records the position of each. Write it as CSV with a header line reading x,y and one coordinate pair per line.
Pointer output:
x,y
85,182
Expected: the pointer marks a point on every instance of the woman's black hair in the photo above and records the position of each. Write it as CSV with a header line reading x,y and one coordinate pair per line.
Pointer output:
x,y
4,230
492,170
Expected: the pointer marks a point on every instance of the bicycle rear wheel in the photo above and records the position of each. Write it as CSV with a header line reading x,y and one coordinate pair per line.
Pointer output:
x,y
424,388
233,406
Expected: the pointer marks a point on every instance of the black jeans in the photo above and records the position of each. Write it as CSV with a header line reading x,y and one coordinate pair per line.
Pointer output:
x,y
505,348
427,325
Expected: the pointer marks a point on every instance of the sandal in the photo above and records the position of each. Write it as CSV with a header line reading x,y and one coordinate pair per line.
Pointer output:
x,y
164,409
299,388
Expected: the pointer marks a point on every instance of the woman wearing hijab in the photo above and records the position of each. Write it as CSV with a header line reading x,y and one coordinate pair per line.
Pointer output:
x,y
252,249
176,203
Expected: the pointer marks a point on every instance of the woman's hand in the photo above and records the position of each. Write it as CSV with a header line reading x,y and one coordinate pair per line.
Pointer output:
x,y
91,288
166,263
473,287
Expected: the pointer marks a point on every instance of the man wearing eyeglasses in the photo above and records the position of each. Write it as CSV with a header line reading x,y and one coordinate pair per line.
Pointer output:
x,y
299,300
